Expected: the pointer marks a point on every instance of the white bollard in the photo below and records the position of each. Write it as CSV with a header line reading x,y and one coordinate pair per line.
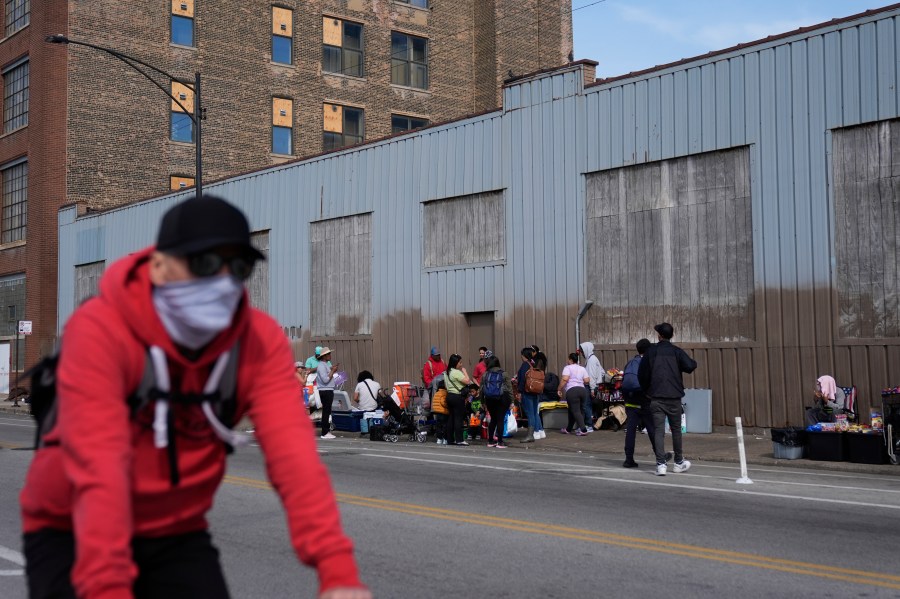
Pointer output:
x,y
744,479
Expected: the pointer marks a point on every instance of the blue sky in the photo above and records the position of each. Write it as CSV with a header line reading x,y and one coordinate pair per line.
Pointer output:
x,y
630,35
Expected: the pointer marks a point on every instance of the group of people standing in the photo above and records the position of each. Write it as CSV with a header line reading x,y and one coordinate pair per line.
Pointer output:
x,y
652,388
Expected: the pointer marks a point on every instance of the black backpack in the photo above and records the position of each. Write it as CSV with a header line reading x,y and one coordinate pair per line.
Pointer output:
x,y
551,384
221,400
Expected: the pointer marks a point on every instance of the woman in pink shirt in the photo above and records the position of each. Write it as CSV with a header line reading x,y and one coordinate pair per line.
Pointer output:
x,y
572,388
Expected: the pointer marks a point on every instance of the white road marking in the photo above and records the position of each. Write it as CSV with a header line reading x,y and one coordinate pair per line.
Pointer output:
x,y
11,555
12,572
470,464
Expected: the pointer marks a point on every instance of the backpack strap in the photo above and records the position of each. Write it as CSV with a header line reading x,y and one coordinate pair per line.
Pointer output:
x,y
218,402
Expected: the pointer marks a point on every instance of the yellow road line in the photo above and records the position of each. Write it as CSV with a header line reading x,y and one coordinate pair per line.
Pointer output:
x,y
718,555
6,445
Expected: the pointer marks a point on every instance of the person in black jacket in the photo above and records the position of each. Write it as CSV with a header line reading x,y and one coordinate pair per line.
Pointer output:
x,y
660,378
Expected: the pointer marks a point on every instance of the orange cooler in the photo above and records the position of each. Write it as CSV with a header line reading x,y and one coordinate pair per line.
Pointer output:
x,y
402,389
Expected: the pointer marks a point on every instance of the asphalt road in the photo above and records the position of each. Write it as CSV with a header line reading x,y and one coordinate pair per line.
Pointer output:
x,y
443,522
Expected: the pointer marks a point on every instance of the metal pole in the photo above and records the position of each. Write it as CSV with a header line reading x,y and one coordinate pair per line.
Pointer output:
x,y
744,479
198,117
16,358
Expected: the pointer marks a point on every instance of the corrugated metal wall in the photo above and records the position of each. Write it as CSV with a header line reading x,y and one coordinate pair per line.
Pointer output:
x,y
781,99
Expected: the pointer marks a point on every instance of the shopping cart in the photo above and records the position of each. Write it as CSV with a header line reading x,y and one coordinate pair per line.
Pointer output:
x,y
890,405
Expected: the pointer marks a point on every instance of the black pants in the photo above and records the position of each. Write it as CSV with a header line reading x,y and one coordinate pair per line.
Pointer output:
x,y
176,567
327,397
634,418
497,407
576,398
456,421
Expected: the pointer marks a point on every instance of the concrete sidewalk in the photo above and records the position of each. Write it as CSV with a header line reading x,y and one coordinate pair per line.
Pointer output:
x,y
719,446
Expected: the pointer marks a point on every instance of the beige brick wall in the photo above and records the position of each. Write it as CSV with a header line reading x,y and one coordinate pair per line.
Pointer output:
x,y
118,123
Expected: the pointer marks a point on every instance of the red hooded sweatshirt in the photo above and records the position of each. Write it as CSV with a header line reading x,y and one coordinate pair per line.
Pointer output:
x,y
107,482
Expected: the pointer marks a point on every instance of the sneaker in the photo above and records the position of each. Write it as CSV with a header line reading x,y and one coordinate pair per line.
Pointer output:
x,y
661,470
462,443
682,466
580,434
328,436
564,431
629,464
501,445
543,434
590,429
439,441
492,444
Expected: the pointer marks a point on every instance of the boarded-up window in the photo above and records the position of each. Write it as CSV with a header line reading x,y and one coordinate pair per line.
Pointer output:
x,y
341,276
465,230
87,281
672,240
866,171
258,285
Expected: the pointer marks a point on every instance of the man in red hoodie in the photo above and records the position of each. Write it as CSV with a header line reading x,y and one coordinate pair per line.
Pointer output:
x,y
114,505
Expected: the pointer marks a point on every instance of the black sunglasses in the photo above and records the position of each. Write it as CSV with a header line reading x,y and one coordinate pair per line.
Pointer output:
x,y
207,264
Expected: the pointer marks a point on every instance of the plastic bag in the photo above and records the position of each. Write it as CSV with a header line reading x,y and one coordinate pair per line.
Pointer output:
x,y
510,427
790,437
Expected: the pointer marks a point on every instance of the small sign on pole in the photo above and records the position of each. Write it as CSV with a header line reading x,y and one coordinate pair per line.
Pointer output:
x,y
24,327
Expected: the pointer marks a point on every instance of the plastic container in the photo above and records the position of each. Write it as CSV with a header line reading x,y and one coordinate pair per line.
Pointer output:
x,y
347,421
401,388
826,446
789,437
787,452
866,448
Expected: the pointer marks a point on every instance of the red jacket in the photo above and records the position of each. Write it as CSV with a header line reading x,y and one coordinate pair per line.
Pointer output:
x,y
431,369
106,480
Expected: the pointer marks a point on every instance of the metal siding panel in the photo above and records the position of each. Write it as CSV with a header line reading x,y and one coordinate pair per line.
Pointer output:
x,y
737,99
850,74
654,115
667,116
887,74
592,126
680,113
708,107
834,81
642,122
628,124
868,76
695,108
604,130
616,127
723,105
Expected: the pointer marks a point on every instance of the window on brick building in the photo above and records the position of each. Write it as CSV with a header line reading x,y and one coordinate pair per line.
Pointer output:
x,y
282,35
342,47
409,60
343,126
282,126
15,95
419,3
181,127
18,15
401,123
177,182
15,201
182,25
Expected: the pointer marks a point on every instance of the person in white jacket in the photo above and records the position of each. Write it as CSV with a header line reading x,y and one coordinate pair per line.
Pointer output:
x,y
595,371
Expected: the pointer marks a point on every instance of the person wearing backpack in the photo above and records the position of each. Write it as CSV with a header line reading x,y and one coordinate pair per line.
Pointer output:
x,y
434,366
574,388
497,394
637,405
596,372
115,501
530,392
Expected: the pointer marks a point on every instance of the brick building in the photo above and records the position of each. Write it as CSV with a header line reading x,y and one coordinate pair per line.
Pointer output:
x,y
281,79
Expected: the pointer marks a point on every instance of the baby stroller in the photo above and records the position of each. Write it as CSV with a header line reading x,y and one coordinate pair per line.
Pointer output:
x,y
400,422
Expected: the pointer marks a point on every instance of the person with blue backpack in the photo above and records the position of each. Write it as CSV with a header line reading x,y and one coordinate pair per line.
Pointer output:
x,y
497,394
637,405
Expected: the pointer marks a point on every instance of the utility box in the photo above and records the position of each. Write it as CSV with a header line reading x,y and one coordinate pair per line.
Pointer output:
x,y
698,410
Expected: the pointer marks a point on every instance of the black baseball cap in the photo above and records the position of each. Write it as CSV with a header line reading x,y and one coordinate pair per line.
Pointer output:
x,y
204,223
665,329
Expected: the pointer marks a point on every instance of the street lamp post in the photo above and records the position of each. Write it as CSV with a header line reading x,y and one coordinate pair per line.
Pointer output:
x,y
196,117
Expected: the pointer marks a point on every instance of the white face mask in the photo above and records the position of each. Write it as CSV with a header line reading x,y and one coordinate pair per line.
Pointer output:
x,y
194,312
